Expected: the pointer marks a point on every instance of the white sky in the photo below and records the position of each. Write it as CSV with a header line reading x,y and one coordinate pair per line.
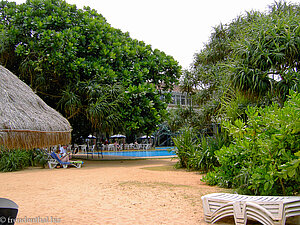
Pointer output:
x,y
177,27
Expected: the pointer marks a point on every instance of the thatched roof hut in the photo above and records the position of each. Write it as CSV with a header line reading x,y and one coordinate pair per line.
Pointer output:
x,y
26,121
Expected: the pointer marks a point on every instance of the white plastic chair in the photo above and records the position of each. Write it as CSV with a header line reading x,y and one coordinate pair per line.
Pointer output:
x,y
111,147
268,210
83,148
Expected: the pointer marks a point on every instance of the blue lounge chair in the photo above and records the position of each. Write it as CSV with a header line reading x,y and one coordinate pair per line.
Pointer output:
x,y
54,161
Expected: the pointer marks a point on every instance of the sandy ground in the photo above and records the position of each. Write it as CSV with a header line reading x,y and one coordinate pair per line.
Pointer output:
x,y
108,192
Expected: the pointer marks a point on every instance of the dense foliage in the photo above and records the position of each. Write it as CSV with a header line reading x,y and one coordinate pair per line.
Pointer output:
x,y
252,60
197,152
18,159
91,72
263,157
244,75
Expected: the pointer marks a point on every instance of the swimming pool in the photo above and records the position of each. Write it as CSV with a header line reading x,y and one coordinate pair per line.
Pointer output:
x,y
142,153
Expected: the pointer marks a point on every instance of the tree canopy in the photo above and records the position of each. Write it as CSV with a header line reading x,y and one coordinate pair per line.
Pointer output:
x,y
252,60
85,68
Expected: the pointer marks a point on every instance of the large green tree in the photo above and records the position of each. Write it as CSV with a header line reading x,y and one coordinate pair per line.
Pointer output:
x,y
266,52
82,66
252,60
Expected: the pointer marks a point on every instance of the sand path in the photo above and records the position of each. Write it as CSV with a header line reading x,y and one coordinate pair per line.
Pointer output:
x,y
108,192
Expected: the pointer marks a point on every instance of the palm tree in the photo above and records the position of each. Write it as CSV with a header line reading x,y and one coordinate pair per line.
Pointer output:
x,y
267,52
104,112
99,103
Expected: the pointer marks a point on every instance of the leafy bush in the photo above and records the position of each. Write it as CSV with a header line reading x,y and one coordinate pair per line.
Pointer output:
x,y
18,159
39,159
14,160
186,146
197,152
211,178
205,158
263,158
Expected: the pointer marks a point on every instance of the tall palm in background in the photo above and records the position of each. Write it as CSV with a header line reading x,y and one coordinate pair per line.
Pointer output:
x,y
100,104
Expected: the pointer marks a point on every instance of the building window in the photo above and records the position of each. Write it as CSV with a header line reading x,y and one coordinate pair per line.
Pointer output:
x,y
182,99
177,99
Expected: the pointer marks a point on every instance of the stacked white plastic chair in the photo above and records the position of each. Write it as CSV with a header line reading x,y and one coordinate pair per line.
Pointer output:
x,y
111,147
268,210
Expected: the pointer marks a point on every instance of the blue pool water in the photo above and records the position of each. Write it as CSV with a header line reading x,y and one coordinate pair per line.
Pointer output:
x,y
142,153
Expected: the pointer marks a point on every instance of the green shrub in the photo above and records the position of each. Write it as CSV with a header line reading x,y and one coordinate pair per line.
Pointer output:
x,y
211,178
263,158
13,160
204,158
39,159
186,146
18,159
197,153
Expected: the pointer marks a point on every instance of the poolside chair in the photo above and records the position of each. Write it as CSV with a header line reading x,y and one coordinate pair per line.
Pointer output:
x,y
54,161
268,210
148,146
45,153
111,147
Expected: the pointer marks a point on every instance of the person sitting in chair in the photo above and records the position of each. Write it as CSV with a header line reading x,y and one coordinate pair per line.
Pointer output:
x,y
63,158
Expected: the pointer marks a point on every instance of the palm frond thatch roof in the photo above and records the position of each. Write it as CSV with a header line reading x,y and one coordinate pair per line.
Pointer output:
x,y
26,121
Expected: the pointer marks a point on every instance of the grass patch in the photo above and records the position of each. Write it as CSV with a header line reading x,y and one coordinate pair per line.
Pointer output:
x,y
152,184
160,168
